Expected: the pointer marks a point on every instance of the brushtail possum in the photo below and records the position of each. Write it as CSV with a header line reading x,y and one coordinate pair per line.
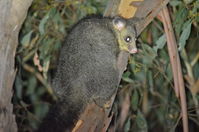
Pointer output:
x,y
87,68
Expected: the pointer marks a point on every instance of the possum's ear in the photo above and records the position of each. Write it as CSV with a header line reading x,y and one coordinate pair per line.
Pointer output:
x,y
119,23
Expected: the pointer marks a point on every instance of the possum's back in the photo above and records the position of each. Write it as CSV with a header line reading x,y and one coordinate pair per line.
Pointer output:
x,y
87,64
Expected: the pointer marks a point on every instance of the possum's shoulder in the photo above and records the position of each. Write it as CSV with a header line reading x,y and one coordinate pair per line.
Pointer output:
x,y
91,20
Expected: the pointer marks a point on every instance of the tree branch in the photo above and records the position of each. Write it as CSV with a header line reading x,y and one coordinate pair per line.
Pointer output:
x,y
176,66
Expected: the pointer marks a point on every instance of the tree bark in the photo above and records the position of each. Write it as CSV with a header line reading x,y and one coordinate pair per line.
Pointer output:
x,y
13,13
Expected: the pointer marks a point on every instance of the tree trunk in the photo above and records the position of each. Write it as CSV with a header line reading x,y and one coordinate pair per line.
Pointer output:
x,y
13,13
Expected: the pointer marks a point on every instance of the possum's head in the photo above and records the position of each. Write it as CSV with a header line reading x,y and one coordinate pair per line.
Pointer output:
x,y
125,34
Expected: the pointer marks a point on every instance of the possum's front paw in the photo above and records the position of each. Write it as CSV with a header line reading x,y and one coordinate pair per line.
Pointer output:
x,y
102,102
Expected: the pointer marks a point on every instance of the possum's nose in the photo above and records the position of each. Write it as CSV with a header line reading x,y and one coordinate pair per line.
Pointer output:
x,y
133,50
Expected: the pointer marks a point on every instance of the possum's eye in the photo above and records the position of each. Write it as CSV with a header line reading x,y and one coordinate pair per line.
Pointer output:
x,y
128,39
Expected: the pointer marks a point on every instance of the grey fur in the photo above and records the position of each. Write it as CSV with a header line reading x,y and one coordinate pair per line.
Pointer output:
x,y
87,71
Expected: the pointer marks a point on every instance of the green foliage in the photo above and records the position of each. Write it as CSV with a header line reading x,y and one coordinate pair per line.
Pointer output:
x,y
185,34
149,74
148,79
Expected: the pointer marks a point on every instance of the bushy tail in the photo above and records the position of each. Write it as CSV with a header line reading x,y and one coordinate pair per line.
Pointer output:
x,y
61,117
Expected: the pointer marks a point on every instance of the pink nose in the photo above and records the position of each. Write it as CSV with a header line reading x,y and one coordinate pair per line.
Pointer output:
x,y
133,51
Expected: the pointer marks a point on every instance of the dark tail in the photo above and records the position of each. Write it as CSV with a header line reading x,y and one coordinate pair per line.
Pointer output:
x,y
61,117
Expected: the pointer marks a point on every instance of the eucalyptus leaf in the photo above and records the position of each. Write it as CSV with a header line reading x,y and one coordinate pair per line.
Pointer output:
x,y
59,23
42,24
188,1
41,110
185,35
45,19
32,84
26,39
149,54
175,2
126,78
127,126
181,15
126,74
141,122
129,80
160,43
18,86
135,100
